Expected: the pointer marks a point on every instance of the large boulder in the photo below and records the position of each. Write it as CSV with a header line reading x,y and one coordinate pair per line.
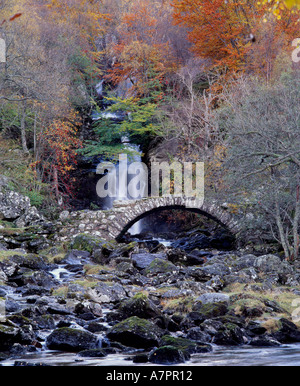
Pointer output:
x,y
139,305
267,264
160,266
16,207
185,345
71,339
210,310
167,355
196,241
110,293
287,332
8,336
85,242
229,335
12,204
144,259
136,332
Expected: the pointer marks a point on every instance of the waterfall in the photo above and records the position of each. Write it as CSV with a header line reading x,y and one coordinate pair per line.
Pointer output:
x,y
135,155
99,88
140,193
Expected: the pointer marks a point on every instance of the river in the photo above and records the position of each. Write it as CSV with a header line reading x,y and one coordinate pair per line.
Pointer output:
x,y
285,355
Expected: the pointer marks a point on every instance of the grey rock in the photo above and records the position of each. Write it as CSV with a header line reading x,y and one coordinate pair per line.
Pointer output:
x,y
213,298
143,260
72,340
136,332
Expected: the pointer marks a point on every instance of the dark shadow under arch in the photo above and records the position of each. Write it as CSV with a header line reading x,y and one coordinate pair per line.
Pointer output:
x,y
171,207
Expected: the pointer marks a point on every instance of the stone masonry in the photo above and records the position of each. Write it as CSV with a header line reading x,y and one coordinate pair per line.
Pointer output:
x,y
112,224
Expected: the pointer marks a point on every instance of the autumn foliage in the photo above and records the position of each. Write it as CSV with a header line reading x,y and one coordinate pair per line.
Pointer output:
x,y
172,58
142,49
227,32
58,144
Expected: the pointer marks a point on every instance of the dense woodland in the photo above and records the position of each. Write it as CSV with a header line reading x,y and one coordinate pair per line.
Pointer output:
x,y
215,76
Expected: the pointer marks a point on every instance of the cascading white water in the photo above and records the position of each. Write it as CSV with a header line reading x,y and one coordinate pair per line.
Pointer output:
x,y
137,192
121,173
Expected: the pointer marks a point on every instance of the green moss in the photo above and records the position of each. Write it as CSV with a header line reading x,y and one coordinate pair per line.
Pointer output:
x,y
6,329
5,255
86,283
181,305
211,310
84,242
95,269
180,343
7,224
20,320
61,292
12,231
134,323
160,266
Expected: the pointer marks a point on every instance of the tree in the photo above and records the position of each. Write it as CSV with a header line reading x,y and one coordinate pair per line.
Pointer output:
x,y
58,145
136,118
225,31
143,46
188,109
263,156
37,88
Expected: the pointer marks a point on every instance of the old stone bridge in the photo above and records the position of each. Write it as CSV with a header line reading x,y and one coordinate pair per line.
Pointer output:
x,y
114,223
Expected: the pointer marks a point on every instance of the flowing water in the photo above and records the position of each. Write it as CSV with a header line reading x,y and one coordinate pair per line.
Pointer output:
x,y
285,355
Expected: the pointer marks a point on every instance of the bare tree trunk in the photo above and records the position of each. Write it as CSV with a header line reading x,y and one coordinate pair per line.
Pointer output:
x,y
55,183
23,129
34,133
283,240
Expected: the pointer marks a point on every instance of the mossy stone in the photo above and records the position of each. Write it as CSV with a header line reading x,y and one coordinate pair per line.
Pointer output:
x,y
160,266
136,332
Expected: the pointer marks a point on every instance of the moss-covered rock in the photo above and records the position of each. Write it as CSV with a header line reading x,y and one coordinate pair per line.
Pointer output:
x,y
85,242
211,310
229,335
8,336
287,331
139,305
136,332
167,355
71,339
160,266
187,346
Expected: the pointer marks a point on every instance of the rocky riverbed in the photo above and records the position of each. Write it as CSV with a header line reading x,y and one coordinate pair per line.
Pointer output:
x,y
98,299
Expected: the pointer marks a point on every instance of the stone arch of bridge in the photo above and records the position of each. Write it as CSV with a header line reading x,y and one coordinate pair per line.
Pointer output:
x,y
221,217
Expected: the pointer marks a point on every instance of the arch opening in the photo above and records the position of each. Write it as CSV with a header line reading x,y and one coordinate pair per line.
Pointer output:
x,y
191,220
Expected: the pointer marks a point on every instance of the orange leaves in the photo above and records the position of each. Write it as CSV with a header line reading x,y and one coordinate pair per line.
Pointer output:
x,y
221,30
59,147
15,16
217,29
142,47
